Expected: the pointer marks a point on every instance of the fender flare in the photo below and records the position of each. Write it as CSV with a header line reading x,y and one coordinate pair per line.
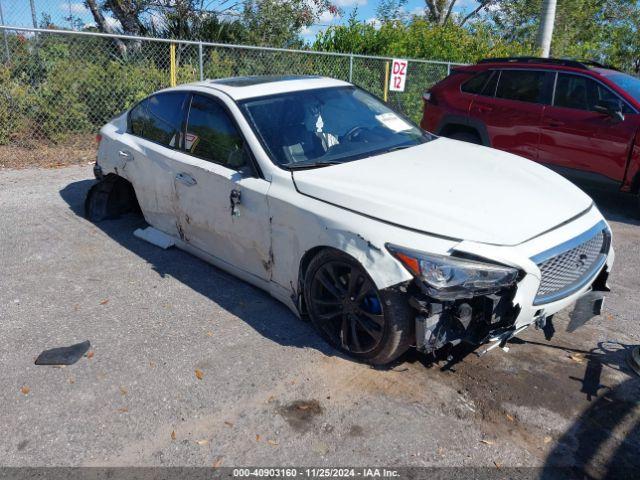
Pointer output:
x,y
473,123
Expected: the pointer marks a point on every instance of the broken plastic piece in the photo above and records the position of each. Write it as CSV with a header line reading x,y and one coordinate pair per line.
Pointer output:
x,y
63,355
587,307
155,237
501,340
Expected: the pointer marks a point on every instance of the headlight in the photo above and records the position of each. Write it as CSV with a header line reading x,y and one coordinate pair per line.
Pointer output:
x,y
449,278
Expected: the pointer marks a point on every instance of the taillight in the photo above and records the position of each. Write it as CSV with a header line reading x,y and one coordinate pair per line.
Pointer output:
x,y
429,97
98,138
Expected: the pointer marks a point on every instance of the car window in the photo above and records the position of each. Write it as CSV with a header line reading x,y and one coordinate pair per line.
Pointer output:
x,y
522,85
475,84
489,88
582,93
159,118
137,118
211,134
628,83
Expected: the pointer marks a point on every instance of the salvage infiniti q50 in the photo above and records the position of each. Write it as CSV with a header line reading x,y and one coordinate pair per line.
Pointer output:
x,y
382,235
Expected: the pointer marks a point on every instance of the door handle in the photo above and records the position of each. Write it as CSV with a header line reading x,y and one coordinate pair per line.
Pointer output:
x,y
186,179
235,198
484,109
126,154
555,123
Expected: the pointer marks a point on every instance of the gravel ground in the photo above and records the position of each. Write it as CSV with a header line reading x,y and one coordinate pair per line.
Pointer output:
x,y
270,392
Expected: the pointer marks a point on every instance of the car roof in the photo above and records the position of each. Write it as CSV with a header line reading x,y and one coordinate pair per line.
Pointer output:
x,y
241,88
544,63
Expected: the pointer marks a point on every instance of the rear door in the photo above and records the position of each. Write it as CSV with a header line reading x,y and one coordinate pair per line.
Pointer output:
x,y
145,152
513,116
574,135
222,204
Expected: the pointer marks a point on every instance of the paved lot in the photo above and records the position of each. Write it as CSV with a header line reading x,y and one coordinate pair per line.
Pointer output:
x,y
154,317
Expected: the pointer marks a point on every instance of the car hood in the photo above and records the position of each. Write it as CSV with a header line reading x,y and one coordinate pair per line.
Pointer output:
x,y
452,189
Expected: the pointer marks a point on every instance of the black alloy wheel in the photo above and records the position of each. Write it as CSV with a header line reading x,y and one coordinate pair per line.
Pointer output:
x,y
351,313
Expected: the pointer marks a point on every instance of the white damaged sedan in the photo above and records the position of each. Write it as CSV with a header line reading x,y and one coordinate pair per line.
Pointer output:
x,y
384,236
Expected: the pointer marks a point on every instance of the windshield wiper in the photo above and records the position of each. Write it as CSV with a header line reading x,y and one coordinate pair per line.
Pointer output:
x,y
398,147
314,164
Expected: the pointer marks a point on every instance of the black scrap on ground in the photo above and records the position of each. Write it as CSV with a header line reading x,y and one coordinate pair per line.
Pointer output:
x,y
63,355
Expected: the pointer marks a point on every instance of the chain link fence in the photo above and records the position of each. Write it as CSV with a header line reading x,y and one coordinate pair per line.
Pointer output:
x,y
61,86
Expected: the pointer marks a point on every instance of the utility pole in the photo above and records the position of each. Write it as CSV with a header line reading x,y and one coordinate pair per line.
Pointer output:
x,y
545,32
34,17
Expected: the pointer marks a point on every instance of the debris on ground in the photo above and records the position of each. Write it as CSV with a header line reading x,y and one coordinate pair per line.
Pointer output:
x,y
155,237
199,374
25,390
63,355
577,357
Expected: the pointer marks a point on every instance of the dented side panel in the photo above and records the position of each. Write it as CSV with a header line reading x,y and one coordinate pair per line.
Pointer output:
x,y
301,223
147,166
206,220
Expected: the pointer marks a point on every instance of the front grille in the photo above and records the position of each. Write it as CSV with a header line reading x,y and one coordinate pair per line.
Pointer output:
x,y
569,267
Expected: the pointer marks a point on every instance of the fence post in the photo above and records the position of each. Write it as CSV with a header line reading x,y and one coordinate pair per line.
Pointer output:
x,y
351,68
386,80
4,35
172,65
201,61
448,69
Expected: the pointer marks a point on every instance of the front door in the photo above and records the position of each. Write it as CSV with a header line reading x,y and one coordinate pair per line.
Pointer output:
x,y
222,205
575,135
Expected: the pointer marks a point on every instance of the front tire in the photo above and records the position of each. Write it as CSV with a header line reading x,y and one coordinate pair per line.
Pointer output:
x,y
349,312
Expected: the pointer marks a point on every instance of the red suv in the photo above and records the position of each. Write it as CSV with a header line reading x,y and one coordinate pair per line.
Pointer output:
x,y
579,118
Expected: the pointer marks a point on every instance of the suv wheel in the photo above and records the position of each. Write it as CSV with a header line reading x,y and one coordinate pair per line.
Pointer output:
x,y
348,310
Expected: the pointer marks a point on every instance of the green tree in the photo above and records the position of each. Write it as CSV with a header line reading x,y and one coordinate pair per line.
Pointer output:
x,y
602,30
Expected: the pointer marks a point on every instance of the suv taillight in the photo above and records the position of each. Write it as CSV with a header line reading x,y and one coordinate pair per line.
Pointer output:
x,y
429,97
98,138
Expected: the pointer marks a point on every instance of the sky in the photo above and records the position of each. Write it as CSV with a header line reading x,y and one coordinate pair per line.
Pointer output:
x,y
18,12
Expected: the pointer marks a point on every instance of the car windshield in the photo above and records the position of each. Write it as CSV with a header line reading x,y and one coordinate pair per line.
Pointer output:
x,y
626,82
313,128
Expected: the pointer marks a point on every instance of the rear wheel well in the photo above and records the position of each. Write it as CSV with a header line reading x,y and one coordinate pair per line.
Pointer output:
x,y
109,198
455,128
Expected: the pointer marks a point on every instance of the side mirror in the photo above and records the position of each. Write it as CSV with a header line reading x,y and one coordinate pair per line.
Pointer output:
x,y
613,108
